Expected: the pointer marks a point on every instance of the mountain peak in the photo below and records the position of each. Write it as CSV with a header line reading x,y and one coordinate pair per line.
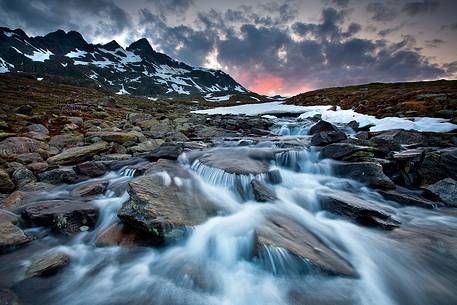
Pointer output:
x,y
141,44
112,45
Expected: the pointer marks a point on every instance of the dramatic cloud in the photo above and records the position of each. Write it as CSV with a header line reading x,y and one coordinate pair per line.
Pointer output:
x,y
270,46
420,7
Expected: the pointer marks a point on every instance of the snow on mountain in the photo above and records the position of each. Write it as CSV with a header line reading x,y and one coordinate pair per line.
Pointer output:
x,y
136,70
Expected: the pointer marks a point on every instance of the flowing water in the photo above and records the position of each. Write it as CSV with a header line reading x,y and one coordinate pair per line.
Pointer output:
x,y
213,263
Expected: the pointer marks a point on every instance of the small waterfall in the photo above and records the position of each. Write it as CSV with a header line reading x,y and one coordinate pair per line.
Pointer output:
x,y
127,172
305,161
280,262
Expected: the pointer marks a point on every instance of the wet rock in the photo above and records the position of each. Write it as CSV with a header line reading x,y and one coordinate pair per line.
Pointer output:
x,y
173,168
280,231
168,150
15,200
274,176
90,189
119,235
62,215
38,167
369,173
118,137
408,198
13,146
342,151
327,137
156,207
23,176
6,184
322,126
262,192
363,211
65,140
78,154
393,139
48,264
444,190
59,175
439,165
91,169
10,235
239,160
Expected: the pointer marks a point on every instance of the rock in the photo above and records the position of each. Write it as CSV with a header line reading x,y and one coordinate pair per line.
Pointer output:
x,y
327,137
91,169
6,184
239,160
274,176
10,235
119,235
7,216
13,146
24,109
393,139
62,215
118,137
48,264
4,135
280,231
155,207
38,128
76,120
22,176
65,140
90,189
38,167
363,211
444,190
322,126
145,146
439,165
15,200
115,157
37,136
369,173
341,151
137,117
261,192
78,154
29,158
408,198
59,175
168,150
354,125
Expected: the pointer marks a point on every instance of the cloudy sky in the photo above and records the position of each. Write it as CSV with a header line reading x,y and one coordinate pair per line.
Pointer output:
x,y
272,46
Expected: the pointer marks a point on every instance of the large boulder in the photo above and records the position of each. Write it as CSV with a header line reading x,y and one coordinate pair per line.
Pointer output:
x,y
363,211
157,206
168,150
279,231
322,126
439,165
369,173
6,184
119,235
13,146
327,137
48,264
91,169
115,136
393,139
262,192
407,197
78,154
444,190
61,215
59,175
240,160
343,151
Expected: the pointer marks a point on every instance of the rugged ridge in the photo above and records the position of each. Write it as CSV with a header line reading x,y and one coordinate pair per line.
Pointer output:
x,y
136,70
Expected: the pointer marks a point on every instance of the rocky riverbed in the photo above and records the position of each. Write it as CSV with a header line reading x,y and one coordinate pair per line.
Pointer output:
x,y
184,208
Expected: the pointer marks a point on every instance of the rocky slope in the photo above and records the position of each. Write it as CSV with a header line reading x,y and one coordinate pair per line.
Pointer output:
x,y
135,70
433,99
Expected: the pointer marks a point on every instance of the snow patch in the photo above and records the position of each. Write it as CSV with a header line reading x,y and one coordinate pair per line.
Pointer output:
x,y
5,66
40,55
122,91
76,54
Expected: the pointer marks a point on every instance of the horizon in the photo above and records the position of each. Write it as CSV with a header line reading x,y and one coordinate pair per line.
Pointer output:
x,y
287,49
